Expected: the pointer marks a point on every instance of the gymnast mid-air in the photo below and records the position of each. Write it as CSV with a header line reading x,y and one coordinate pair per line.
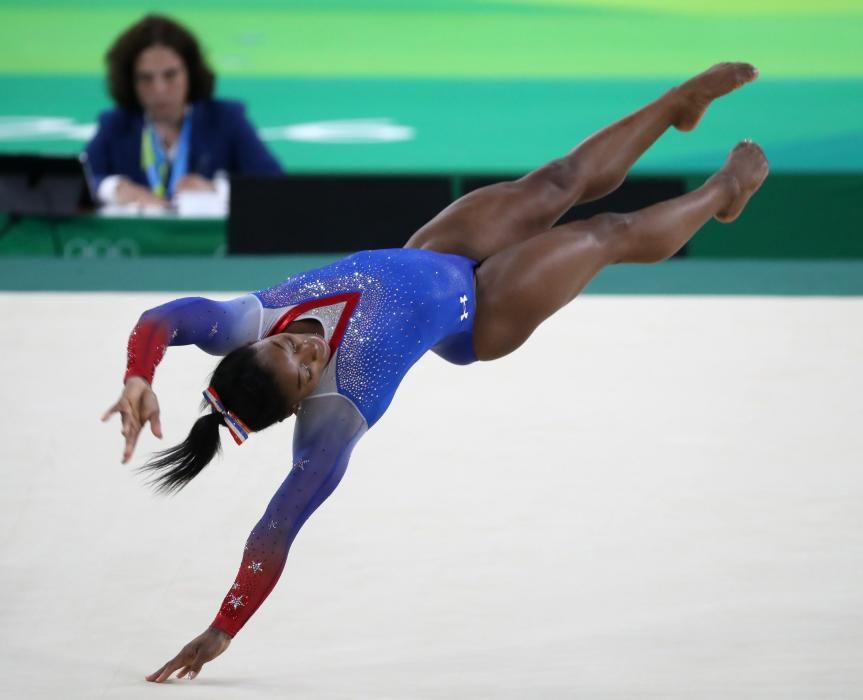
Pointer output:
x,y
331,345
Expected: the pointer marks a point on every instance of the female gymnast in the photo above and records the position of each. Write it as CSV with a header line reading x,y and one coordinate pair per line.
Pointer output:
x,y
331,345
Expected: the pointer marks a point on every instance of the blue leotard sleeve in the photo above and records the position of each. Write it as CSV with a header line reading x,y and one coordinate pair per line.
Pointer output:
x,y
327,429
217,327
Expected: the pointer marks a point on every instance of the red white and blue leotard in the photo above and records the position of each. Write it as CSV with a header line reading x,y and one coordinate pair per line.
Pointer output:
x,y
380,311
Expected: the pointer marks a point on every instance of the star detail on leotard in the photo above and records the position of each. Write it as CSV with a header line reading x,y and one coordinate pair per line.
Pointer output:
x,y
214,329
301,465
256,567
235,586
235,601
273,524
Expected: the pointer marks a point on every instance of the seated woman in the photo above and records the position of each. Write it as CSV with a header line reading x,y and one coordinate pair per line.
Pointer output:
x,y
332,345
168,134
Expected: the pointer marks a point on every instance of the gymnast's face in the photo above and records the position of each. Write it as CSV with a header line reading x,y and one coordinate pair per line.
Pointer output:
x,y
296,360
161,83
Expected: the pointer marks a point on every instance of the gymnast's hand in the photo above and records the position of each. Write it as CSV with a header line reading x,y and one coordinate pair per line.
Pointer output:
x,y
136,405
193,656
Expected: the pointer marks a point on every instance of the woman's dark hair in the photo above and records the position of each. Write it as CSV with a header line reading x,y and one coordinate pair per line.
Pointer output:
x,y
247,390
156,30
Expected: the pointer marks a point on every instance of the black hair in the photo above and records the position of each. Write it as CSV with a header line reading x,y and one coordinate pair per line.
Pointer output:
x,y
247,390
156,30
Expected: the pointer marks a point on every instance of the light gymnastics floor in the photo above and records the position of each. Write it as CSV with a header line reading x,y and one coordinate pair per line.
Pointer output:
x,y
657,497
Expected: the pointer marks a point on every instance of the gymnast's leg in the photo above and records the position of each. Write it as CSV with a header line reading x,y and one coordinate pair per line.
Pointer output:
x,y
518,288
493,218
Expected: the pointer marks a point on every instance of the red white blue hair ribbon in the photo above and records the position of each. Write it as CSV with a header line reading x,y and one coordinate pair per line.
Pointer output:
x,y
239,430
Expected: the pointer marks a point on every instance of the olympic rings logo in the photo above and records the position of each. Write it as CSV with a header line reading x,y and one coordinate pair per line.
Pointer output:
x,y
101,248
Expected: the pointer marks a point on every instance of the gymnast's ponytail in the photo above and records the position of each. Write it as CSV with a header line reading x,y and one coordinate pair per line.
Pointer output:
x,y
178,465
242,396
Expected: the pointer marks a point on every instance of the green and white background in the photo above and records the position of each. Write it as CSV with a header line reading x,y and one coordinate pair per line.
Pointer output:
x,y
456,87
463,85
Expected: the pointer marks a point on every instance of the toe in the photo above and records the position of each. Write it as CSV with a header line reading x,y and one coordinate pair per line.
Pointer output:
x,y
747,72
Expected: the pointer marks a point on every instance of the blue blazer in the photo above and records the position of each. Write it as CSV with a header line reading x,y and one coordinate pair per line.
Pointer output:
x,y
222,138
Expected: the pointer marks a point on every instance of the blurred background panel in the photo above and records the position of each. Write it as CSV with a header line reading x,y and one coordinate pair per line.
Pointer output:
x,y
466,85
491,89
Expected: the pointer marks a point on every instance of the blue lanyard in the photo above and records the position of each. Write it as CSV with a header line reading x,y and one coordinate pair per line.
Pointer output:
x,y
159,165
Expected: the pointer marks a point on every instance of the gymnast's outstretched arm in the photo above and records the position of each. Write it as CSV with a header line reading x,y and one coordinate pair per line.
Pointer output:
x,y
214,326
327,429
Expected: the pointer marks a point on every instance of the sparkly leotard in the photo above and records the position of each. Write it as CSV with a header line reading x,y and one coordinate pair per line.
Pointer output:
x,y
380,311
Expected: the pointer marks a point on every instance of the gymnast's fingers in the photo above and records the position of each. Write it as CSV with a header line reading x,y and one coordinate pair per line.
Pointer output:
x,y
191,671
153,676
174,664
122,406
195,669
155,423
111,411
131,430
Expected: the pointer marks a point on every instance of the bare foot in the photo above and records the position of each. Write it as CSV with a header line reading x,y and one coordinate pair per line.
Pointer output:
x,y
743,173
697,93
